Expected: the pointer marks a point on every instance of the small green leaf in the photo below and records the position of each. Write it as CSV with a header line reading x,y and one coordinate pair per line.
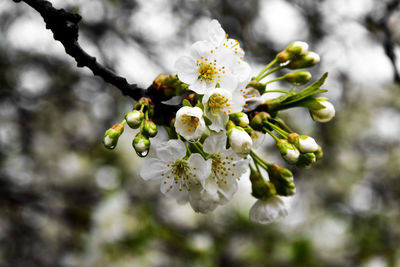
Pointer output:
x,y
186,103
207,120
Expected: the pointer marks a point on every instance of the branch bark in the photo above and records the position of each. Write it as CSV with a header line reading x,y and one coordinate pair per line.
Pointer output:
x,y
64,26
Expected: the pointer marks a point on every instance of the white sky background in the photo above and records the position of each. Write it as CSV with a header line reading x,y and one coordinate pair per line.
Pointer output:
x,y
348,48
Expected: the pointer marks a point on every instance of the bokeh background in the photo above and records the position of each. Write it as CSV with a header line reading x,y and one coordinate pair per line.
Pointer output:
x,y
67,201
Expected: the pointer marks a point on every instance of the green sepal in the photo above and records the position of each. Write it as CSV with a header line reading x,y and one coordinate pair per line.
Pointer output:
x,y
207,120
186,103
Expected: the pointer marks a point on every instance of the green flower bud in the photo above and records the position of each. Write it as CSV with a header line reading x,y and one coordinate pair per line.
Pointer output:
x,y
282,178
306,160
134,118
307,60
298,78
294,50
240,119
149,128
256,85
148,105
288,151
111,136
258,120
240,141
318,153
261,189
141,144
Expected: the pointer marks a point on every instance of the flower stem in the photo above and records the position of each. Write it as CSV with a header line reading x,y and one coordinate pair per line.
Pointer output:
x,y
277,91
199,147
278,130
271,134
188,152
269,72
259,160
275,80
265,69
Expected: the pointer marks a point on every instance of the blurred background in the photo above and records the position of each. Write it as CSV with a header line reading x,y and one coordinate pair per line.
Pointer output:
x,y
67,201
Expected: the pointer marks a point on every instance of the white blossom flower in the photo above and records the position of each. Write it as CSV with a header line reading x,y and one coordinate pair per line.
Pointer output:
x,y
307,144
202,201
179,174
240,141
325,114
265,211
218,104
226,168
205,67
189,123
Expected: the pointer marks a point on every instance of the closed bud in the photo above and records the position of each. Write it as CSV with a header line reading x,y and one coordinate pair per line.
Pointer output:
x,y
260,187
294,50
306,160
141,144
239,118
282,178
298,78
318,153
257,122
240,141
304,143
111,136
147,103
134,118
149,128
288,151
305,61
256,85
325,114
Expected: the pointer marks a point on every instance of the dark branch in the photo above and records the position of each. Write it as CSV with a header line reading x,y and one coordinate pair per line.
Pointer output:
x,y
64,26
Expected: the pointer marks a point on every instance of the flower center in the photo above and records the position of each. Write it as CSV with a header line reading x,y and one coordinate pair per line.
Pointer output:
x,y
221,168
181,174
218,103
191,122
208,70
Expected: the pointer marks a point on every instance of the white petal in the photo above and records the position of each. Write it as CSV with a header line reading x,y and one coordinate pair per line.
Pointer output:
x,y
172,150
187,69
202,201
200,167
215,33
227,191
201,49
267,211
200,87
211,186
152,168
242,70
229,82
215,143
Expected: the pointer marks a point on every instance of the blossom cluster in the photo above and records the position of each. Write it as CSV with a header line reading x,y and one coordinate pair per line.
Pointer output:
x,y
213,135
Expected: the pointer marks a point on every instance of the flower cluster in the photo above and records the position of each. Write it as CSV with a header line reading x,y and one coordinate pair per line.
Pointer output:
x,y
221,120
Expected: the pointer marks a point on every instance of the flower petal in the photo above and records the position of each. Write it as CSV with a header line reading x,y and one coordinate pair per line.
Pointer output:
x,y
215,33
200,167
172,150
152,168
187,69
215,143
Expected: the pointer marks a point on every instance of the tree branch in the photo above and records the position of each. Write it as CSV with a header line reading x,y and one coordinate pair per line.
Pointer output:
x,y
64,26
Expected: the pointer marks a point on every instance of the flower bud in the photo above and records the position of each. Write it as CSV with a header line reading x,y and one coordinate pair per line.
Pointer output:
x,y
318,153
147,103
306,160
304,143
240,119
298,78
267,210
325,114
282,178
149,128
134,118
260,187
257,122
288,151
260,87
111,136
141,144
305,61
293,51
240,141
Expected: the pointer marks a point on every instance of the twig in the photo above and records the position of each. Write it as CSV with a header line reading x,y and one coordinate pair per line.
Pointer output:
x,y
64,26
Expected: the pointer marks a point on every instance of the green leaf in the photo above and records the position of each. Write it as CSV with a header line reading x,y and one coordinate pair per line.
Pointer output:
x,y
207,120
186,103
